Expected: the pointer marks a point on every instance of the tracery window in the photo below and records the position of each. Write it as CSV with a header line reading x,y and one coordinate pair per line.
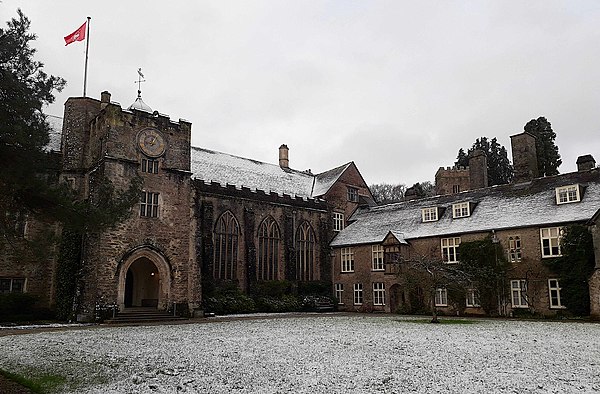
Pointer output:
x,y
305,252
268,250
227,233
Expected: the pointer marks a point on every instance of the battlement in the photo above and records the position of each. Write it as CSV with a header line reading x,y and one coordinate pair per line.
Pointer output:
x,y
258,195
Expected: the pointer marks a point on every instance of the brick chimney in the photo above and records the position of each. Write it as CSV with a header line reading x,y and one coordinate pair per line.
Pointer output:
x,y
284,161
585,162
104,99
478,175
524,157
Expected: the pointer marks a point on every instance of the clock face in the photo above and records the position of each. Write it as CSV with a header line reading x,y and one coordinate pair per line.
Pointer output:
x,y
151,142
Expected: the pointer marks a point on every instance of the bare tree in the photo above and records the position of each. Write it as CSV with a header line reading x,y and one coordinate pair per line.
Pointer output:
x,y
385,193
432,274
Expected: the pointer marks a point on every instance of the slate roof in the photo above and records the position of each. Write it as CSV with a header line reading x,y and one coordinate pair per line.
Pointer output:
x,y
223,168
528,204
226,169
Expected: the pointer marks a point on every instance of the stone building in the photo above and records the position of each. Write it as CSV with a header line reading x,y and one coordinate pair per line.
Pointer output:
x,y
455,179
525,218
201,215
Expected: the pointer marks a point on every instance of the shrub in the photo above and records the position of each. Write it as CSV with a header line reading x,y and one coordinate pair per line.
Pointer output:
x,y
16,307
231,303
271,288
286,303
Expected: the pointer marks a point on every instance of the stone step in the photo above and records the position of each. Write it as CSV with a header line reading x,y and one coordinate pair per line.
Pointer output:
x,y
142,315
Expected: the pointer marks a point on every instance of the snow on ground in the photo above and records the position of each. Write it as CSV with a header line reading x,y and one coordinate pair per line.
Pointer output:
x,y
318,354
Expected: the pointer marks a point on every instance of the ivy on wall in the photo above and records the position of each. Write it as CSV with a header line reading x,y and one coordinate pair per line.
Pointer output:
x,y
574,268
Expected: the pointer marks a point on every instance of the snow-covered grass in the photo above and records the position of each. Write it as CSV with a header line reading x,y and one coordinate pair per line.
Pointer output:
x,y
317,354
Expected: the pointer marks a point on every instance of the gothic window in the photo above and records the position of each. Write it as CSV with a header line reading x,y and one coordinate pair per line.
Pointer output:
x,y
268,250
305,252
227,232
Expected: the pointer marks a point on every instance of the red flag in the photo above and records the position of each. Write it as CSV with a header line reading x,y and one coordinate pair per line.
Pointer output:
x,y
77,35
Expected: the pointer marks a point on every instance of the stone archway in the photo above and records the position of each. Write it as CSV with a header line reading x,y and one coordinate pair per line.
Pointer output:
x,y
144,280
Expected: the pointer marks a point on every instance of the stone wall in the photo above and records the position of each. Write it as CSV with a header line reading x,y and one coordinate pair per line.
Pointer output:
x,y
250,209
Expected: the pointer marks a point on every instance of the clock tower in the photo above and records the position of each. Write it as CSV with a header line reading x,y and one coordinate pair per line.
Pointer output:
x,y
149,259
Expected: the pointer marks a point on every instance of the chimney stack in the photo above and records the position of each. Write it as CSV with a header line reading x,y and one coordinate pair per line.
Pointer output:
x,y
524,157
585,162
104,99
478,174
284,161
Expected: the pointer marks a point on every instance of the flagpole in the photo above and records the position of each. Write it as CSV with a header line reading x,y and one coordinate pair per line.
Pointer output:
x,y
87,46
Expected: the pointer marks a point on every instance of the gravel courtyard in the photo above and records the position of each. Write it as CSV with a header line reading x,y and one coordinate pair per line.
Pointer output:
x,y
317,354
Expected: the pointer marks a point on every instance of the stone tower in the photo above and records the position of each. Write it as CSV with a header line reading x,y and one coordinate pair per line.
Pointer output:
x,y
524,157
478,175
149,259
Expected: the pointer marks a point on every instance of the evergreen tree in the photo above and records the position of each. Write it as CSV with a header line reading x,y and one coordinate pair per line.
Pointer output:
x,y
499,169
547,152
29,179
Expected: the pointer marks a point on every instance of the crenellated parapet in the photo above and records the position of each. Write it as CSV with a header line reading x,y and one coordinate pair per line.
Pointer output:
x,y
216,188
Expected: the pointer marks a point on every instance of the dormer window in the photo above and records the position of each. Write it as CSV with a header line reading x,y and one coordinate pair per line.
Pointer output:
x,y
567,194
461,210
429,214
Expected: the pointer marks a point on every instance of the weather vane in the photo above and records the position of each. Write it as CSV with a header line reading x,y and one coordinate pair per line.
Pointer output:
x,y
139,81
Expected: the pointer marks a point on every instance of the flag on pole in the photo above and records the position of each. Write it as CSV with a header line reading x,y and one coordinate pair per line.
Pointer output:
x,y
77,35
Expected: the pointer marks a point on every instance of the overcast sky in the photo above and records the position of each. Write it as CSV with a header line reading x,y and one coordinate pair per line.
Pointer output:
x,y
395,86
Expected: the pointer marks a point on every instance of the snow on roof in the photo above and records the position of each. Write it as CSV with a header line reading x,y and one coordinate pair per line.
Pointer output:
x,y
55,133
325,180
223,168
498,207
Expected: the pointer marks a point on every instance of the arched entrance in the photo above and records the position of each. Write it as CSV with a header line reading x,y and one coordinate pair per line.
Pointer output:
x,y
144,280
142,284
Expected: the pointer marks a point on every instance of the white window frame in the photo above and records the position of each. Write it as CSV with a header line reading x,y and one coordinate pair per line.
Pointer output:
x,y
347,259
378,293
429,214
338,221
461,210
567,194
377,263
554,287
339,293
550,239
441,296
455,189
358,294
518,293
149,204
515,253
472,300
450,249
